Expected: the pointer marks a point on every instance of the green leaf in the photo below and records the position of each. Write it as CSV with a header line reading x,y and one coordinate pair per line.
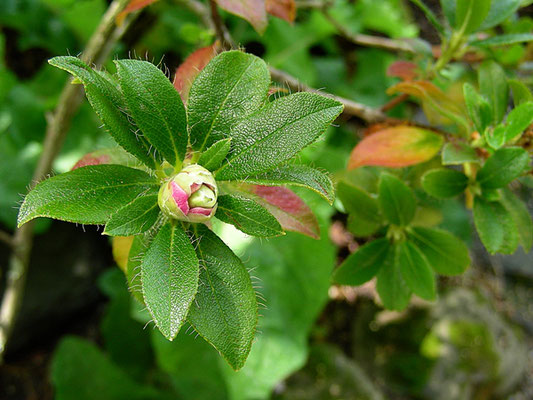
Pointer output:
x,y
521,93
364,264
391,287
396,200
298,175
518,120
215,155
458,153
108,103
501,40
495,226
155,106
493,85
87,195
277,132
224,311
502,167
134,218
521,217
416,271
469,14
77,361
500,10
247,216
446,254
495,137
478,108
365,217
231,86
169,273
287,207
444,182
138,248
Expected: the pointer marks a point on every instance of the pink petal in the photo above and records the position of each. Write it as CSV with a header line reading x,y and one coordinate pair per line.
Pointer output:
x,y
195,186
201,210
180,197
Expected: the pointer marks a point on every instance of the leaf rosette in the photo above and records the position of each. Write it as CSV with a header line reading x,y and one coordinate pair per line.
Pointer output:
x,y
226,154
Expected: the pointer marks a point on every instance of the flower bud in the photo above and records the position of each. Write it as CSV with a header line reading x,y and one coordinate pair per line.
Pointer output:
x,y
190,196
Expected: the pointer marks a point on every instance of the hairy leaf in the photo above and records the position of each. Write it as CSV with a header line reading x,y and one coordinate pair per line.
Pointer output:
x,y
458,153
469,14
224,311
247,216
108,103
395,147
478,108
521,93
396,200
233,85
277,132
169,273
518,120
297,175
364,264
155,106
87,195
134,218
187,72
289,209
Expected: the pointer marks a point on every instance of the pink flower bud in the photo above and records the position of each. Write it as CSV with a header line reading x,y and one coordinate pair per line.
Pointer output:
x,y
190,196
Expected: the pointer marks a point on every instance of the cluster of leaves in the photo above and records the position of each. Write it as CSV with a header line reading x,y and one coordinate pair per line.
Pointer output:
x,y
185,272
404,254
486,152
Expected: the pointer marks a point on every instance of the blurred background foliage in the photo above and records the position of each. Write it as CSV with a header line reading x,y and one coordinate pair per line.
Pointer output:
x,y
81,336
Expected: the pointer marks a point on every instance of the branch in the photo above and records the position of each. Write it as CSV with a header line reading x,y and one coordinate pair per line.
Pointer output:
x,y
96,50
226,41
352,108
6,238
367,40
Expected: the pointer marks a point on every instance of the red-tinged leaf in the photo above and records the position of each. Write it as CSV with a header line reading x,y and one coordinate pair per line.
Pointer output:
x,y
284,9
112,155
132,6
405,70
253,11
191,67
289,209
427,92
396,147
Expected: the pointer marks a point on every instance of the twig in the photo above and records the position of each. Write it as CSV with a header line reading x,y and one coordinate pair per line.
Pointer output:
x,y
226,41
97,49
6,238
368,40
394,102
359,110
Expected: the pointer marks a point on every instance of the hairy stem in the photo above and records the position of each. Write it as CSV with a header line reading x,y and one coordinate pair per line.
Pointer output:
x,y
96,51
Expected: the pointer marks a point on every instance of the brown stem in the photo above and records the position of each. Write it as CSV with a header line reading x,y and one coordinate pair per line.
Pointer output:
x,y
394,102
221,31
359,110
6,238
96,50
367,40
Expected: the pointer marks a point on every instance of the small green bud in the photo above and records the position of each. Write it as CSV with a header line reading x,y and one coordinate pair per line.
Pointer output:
x,y
190,196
